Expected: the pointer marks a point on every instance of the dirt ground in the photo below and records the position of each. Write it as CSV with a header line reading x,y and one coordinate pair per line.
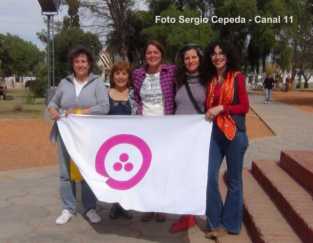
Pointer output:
x,y
24,143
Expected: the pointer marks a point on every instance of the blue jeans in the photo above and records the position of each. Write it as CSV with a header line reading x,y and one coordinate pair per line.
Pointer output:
x,y
268,95
229,214
67,187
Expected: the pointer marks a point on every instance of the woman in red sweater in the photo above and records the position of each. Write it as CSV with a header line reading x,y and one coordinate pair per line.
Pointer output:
x,y
227,104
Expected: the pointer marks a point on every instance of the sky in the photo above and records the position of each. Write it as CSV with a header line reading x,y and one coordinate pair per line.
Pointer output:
x,y
22,18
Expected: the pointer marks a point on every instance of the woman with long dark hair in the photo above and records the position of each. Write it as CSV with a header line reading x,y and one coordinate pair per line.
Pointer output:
x,y
189,99
227,104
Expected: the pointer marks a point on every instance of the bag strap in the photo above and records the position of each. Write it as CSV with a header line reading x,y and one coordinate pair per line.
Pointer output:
x,y
192,99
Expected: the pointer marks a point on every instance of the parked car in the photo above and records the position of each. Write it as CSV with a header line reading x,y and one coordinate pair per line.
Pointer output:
x,y
3,90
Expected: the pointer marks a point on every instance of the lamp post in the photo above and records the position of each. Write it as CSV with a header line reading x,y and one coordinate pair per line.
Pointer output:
x,y
50,8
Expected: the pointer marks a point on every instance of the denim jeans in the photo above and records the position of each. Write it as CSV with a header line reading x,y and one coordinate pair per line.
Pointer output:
x,y
229,214
67,187
268,95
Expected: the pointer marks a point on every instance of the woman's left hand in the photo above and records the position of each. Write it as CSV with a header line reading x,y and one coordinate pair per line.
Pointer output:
x,y
214,111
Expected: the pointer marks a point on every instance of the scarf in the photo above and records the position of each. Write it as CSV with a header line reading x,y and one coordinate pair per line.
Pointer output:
x,y
224,120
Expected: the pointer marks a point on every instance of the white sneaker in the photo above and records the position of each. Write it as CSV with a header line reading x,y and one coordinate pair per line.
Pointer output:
x,y
65,216
93,217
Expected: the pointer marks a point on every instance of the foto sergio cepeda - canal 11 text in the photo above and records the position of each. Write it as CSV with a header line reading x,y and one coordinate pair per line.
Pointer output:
x,y
258,19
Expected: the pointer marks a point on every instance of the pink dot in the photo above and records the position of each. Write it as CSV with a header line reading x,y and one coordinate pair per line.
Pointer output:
x,y
124,157
117,166
128,166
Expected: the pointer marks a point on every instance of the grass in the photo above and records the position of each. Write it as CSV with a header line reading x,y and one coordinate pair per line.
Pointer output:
x,y
21,104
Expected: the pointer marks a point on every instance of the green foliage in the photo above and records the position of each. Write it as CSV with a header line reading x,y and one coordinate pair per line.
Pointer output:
x,y
290,44
72,20
68,39
18,56
174,36
284,56
39,87
156,7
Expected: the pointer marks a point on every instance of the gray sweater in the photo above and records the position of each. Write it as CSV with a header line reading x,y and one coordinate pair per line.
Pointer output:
x,y
94,95
182,100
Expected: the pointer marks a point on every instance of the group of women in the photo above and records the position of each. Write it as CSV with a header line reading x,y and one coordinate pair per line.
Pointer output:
x,y
208,83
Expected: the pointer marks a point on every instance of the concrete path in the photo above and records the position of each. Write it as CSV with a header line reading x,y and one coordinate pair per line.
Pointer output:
x,y
292,127
29,200
29,204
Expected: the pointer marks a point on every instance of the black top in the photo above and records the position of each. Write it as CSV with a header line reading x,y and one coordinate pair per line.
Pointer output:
x,y
268,83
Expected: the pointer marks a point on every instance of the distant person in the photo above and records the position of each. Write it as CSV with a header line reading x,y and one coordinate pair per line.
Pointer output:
x,y
3,90
288,83
121,103
154,92
268,85
84,93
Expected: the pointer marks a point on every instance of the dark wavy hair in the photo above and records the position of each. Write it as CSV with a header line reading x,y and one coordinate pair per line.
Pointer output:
x,y
181,76
78,50
231,53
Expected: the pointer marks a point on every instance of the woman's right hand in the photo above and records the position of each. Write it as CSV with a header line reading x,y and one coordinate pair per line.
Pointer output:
x,y
214,111
54,114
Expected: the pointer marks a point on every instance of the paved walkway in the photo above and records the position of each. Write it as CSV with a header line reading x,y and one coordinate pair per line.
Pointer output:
x,y
292,127
29,199
29,204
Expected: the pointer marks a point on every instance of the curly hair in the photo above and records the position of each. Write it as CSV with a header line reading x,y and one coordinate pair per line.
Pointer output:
x,y
231,53
79,50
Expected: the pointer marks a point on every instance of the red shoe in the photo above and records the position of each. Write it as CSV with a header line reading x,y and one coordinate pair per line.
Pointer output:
x,y
183,223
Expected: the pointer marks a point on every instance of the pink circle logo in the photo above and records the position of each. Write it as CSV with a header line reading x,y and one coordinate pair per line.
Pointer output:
x,y
125,159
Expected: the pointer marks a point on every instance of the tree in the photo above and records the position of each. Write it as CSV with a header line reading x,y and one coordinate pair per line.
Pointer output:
x,y
174,36
300,37
39,87
18,56
126,35
203,6
135,38
72,20
113,15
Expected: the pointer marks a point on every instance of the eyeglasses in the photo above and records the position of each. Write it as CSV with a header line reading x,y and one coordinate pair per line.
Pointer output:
x,y
221,54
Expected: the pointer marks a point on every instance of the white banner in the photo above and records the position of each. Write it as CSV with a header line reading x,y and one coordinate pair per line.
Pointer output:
x,y
149,164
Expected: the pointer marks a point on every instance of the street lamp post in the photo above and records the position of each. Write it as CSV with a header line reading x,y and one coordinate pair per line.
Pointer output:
x,y
50,8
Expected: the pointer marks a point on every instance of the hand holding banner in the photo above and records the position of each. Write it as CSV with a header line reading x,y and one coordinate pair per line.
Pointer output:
x,y
152,164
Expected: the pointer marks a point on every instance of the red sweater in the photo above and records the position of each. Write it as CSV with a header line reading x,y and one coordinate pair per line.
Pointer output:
x,y
243,106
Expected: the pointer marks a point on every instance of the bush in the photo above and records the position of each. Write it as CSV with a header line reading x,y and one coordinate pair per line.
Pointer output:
x,y
39,87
